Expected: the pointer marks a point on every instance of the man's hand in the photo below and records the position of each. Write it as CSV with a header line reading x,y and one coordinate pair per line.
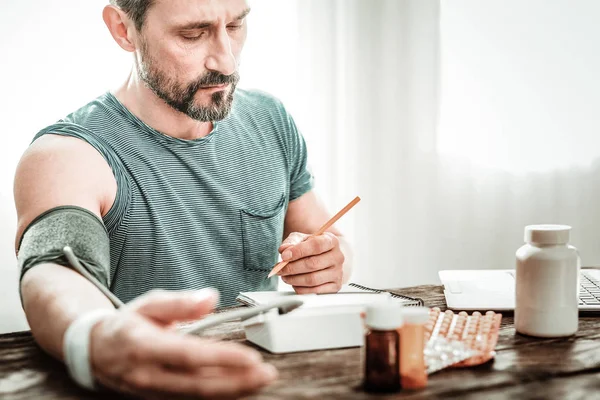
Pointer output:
x,y
315,263
136,351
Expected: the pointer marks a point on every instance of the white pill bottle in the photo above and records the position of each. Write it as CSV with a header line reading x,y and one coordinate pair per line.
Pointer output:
x,y
547,283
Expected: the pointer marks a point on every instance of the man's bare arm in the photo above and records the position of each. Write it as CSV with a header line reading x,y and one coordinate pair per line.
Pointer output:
x,y
58,171
53,297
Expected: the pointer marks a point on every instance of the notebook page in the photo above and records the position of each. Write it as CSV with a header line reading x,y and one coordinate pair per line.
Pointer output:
x,y
346,296
342,299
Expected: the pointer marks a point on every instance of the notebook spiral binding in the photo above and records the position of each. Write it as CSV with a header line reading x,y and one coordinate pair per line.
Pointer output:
x,y
413,301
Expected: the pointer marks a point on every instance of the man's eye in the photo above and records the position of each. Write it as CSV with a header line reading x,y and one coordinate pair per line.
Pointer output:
x,y
193,36
234,27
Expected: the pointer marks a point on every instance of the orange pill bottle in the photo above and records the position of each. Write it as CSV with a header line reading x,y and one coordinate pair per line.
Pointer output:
x,y
413,374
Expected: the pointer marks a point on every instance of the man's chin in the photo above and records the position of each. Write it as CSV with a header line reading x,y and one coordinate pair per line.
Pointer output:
x,y
207,114
215,107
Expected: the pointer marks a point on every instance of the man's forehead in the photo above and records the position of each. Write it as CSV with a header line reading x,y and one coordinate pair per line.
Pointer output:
x,y
181,12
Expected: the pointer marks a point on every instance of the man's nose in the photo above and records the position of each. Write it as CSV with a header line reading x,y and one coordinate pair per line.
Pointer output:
x,y
220,57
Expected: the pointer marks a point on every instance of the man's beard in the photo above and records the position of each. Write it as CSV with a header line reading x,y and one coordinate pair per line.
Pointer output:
x,y
181,98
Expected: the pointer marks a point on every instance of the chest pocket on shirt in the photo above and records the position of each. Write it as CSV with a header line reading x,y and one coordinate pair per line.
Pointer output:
x,y
262,235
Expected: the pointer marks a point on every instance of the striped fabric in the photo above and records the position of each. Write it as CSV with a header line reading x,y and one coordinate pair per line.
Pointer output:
x,y
191,214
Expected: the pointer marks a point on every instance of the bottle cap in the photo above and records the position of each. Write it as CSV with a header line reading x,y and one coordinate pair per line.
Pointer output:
x,y
415,315
384,315
547,234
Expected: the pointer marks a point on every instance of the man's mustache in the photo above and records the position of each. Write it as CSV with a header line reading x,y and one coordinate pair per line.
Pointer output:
x,y
215,79
212,78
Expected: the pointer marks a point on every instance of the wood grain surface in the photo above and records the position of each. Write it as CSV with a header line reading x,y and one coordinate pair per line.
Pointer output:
x,y
524,368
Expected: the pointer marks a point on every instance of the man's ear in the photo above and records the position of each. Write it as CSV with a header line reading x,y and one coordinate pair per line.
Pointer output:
x,y
120,26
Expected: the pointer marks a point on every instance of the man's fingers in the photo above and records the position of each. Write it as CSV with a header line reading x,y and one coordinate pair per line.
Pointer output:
x,y
153,380
165,307
237,382
312,279
140,356
311,264
190,352
310,247
325,288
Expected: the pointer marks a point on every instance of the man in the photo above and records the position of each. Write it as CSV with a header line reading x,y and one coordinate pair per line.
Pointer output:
x,y
176,180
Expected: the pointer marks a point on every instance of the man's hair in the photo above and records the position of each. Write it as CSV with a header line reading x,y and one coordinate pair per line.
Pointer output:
x,y
135,9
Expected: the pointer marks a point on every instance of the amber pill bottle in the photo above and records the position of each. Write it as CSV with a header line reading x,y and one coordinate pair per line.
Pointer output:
x,y
382,347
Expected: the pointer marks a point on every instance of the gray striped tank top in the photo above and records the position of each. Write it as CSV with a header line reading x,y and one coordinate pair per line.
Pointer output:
x,y
197,213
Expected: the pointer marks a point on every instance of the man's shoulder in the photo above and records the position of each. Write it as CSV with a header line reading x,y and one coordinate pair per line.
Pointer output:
x,y
254,100
264,110
83,122
96,107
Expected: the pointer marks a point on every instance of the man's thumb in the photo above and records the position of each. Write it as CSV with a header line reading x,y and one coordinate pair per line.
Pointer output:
x,y
165,307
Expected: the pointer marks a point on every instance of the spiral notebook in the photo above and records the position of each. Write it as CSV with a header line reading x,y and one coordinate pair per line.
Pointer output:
x,y
350,294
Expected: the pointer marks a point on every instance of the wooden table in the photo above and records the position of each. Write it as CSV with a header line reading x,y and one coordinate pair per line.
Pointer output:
x,y
524,368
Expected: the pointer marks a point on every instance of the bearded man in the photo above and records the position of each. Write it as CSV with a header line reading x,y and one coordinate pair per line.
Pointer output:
x,y
175,180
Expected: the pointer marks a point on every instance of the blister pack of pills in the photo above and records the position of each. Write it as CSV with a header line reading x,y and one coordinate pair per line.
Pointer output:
x,y
460,340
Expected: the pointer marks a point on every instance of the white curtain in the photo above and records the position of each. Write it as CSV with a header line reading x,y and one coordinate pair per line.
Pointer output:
x,y
457,122
369,85
518,135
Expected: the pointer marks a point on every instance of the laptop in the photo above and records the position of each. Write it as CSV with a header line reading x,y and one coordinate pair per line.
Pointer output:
x,y
483,290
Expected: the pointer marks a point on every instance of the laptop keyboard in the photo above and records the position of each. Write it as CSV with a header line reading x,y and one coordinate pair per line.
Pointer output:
x,y
589,291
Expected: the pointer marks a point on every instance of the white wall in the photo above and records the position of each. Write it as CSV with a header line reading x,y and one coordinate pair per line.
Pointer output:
x,y
56,56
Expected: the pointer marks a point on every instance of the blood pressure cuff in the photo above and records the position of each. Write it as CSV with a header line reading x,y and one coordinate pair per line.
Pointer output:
x,y
44,239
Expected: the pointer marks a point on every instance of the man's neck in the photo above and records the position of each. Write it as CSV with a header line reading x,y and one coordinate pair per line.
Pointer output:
x,y
148,107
